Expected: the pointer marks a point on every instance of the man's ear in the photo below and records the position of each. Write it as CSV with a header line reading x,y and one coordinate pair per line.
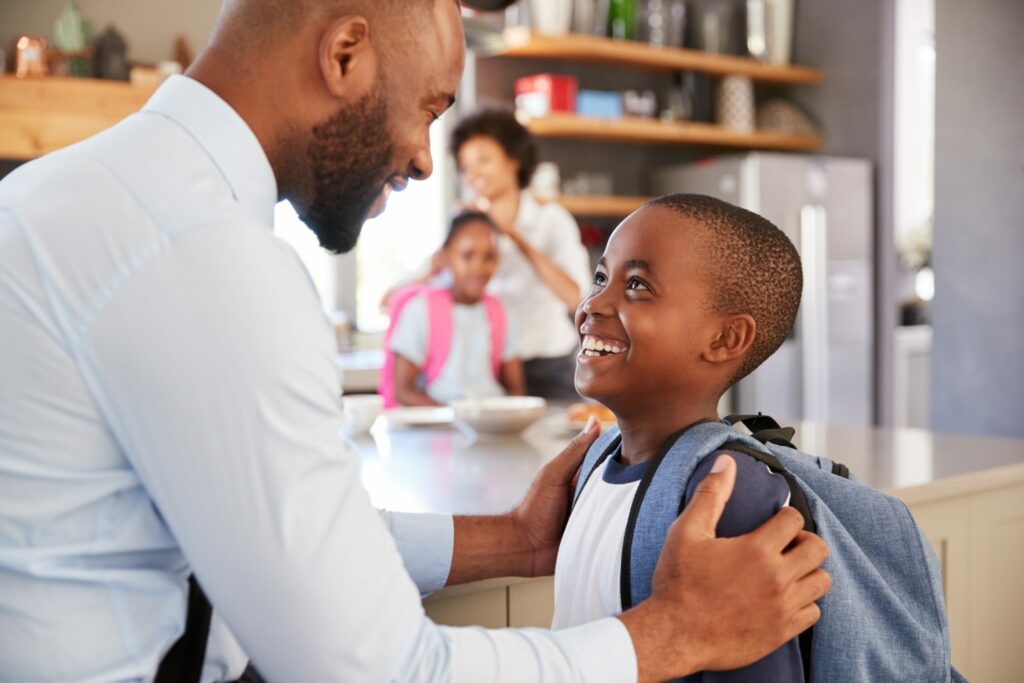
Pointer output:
x,y
348,62
732,339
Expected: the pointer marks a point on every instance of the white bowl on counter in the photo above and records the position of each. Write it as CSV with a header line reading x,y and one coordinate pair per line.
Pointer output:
x,y
361,411
499,414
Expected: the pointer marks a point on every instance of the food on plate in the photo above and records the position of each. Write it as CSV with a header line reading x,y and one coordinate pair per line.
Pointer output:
x,y
579,413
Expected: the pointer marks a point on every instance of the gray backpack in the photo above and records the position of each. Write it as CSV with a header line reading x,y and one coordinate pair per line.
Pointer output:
x,y
883,620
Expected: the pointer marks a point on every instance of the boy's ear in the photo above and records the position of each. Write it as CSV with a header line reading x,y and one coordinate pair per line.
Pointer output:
x,y
732,340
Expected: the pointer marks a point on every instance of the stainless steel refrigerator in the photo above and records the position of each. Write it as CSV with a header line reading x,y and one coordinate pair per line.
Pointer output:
x,y
823,372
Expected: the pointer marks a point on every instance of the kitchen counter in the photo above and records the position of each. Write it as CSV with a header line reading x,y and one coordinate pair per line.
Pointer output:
x,y
447,470
966,493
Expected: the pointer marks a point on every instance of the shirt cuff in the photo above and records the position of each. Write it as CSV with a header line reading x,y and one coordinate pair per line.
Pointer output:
x,y
426,542
602,650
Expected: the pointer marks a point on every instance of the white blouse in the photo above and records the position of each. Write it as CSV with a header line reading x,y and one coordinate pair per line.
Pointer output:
x,y
541,317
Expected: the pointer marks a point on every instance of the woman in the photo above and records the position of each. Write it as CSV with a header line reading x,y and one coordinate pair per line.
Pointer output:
x,y
544,269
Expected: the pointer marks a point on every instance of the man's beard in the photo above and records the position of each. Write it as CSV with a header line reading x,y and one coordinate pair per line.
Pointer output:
x,y
349,156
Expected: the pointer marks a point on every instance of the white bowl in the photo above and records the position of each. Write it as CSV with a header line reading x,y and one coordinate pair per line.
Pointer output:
x,y
499,414
361,411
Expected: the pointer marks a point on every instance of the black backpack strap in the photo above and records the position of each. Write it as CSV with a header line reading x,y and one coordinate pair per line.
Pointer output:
x,y
611,448
798,501
183,663
764,428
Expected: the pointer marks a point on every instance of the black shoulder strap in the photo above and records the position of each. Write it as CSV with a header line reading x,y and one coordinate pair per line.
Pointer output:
x,y
764,428
183,663
612,447
798,501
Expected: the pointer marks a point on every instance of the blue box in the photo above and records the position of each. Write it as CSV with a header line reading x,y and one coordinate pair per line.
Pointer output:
x,y
599,104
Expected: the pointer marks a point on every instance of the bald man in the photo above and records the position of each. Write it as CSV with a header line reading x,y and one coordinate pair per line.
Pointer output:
x,y
169,407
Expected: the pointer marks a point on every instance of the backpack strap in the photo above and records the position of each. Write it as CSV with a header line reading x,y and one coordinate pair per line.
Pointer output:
x,y
600,450
764,428
499,325
183,663
626,569
439,331
797,498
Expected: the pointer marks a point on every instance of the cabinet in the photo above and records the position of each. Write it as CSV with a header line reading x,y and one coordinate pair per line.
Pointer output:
x,y
979,539
519,603
41,115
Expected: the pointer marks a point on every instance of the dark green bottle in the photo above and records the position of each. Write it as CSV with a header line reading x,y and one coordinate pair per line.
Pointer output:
x,y
622,19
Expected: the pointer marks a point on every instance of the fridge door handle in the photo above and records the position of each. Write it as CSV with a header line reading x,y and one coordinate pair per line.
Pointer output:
x,y
814,312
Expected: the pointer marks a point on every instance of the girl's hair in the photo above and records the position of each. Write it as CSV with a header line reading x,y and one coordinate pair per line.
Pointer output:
x,y
465,218
502,127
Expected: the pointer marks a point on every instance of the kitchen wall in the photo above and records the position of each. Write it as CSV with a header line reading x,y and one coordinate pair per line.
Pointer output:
x,y
149,27
978,312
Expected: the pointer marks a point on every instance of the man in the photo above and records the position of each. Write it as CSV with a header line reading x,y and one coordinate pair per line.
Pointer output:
x,y
169,404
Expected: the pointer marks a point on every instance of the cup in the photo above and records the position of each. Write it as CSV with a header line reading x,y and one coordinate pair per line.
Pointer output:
x,y
361,411
552,17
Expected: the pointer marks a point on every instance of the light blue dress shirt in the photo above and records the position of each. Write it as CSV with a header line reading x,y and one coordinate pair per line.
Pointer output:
x,y
169,404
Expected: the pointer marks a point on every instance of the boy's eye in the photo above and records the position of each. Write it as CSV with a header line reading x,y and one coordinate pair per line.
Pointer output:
x,y
636,283
599,279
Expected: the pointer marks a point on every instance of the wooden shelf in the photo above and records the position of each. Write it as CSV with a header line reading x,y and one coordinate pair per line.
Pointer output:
x,y
657,132
41,115
601,205
521,42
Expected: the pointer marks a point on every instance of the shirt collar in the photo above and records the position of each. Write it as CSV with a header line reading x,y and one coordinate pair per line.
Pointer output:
x,y
226,138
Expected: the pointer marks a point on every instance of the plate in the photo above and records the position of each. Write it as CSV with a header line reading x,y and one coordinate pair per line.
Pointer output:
x,y
417,416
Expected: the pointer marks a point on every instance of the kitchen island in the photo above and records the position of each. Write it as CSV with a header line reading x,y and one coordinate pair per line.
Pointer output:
x,y
966,492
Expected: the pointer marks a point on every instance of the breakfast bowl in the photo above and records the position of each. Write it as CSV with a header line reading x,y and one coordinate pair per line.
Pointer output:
x,y
499,414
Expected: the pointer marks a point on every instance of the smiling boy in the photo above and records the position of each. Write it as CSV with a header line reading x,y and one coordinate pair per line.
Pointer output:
x,y
691,295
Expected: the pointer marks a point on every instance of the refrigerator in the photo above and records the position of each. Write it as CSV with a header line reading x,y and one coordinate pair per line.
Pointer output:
x,y
824,371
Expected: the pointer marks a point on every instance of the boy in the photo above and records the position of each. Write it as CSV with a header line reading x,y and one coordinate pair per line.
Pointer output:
x,y
691,295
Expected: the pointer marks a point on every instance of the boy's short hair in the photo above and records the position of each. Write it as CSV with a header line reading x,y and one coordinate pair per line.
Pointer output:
x,y
501,126
464,218
755,269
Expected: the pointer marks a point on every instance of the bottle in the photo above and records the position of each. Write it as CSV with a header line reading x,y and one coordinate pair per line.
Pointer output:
x,y
622,19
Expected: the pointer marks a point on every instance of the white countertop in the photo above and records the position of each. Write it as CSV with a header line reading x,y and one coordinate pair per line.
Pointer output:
x,y
445,470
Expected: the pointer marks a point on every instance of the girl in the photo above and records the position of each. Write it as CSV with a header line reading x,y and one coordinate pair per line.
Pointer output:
x,y
453,342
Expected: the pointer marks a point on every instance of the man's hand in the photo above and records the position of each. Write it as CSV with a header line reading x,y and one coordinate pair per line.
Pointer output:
x,y
720,604
525,541
542,515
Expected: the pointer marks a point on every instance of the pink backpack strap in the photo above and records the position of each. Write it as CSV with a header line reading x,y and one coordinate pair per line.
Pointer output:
x,y
397,302
439,337
499,325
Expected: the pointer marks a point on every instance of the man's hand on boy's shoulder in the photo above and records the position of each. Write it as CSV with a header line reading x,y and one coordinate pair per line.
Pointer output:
x,y
723,603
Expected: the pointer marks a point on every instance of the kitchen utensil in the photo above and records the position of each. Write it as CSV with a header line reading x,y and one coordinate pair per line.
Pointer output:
x,y
416,416
757,29
780,31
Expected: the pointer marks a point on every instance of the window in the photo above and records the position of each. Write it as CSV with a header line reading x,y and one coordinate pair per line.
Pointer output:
x,y
319,262
395,245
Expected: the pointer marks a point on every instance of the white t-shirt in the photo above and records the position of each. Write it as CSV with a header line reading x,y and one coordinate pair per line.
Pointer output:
x,y
468,371
589,559
546,326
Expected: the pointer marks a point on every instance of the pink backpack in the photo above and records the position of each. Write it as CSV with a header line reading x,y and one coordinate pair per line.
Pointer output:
x,y
440,305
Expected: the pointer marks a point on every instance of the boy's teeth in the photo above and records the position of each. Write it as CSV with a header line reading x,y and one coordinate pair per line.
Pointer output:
x,y
597,346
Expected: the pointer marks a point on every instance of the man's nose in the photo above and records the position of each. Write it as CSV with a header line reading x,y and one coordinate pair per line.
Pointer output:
x,y
422,164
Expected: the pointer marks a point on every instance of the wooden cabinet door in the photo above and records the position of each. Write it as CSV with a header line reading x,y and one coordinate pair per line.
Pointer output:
x,y
947,524
997,564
